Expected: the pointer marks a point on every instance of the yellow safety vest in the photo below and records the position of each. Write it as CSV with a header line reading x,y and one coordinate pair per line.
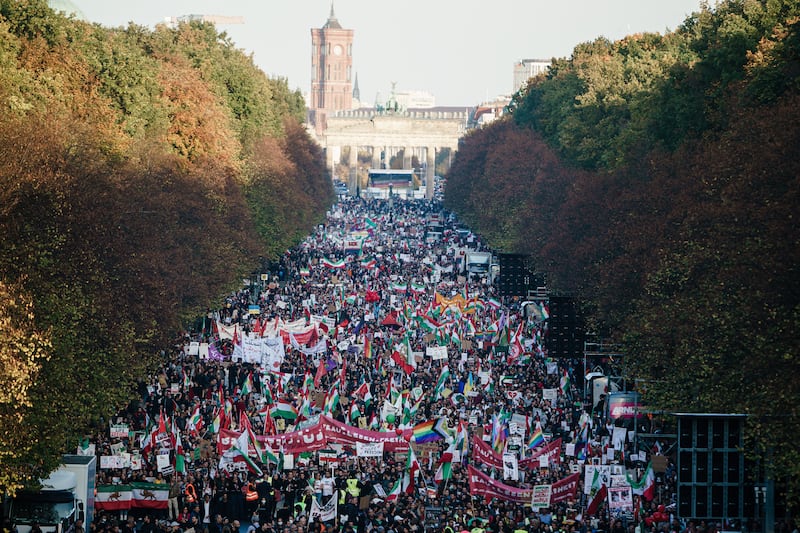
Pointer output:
x,y
352,487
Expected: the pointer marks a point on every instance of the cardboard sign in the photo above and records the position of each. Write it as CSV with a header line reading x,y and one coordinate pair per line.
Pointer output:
x,y
436,352
369,449
541,496
119,431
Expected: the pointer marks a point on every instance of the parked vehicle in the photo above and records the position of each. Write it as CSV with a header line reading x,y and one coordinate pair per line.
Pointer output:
x,y
65,496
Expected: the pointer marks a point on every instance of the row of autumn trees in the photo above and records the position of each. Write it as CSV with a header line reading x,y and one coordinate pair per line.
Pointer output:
x,y
142,174
657,178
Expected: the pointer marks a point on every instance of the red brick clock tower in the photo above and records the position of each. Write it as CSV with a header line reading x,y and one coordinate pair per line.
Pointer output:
x,y
331,71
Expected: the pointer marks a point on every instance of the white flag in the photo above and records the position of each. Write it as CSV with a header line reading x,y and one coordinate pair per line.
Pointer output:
x,y
326,512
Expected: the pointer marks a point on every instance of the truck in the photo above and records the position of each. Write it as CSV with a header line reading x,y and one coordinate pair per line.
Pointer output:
x,y
479,262
66,496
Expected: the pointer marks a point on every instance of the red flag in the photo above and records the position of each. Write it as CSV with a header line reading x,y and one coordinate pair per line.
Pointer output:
x,y
321,371
269,425
236,335
401,361
343,374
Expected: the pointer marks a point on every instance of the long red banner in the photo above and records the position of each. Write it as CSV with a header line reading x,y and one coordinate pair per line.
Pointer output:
x,y
484,454
565,489
482,485
329,431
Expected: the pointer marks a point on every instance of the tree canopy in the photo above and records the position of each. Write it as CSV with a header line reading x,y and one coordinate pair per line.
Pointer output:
x,y
656,178
137,168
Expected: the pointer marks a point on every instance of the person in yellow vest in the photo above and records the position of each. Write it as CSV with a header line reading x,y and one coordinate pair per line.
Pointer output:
x,y
353,486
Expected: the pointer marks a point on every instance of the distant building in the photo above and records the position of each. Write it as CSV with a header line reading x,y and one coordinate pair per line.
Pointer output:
x,y
526,69
415,99
331,71
488,112
173,22
66,7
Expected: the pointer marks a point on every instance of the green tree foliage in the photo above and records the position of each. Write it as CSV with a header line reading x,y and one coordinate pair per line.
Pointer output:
x,y
127,206
679,233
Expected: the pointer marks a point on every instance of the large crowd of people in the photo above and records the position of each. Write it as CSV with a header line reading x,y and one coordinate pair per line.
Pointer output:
x,y
380,327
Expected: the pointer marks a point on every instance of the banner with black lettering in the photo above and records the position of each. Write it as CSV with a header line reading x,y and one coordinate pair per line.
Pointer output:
x,y
326,512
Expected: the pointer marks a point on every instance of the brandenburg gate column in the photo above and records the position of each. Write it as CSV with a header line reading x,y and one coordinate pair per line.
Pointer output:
x,y
330,159
430,158
376,157
353,166
407,154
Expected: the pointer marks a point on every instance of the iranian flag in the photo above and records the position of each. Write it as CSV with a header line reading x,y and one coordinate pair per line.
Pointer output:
x,y
444,376
283,410
113,498
597,493
305,271
361,390
445,470
327,263
645,487
412,466
427,323
247,386
238,454
399,287
354,412
195,422
217,422
564,383
149,495
396,490
418,288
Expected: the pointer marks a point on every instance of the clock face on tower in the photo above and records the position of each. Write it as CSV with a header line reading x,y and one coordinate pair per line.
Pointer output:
x,y
337,50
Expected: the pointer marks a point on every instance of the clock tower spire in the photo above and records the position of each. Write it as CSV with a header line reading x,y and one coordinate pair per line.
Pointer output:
x,y
331,70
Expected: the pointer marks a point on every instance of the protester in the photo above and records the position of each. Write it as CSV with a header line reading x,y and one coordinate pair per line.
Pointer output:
x,y
370,324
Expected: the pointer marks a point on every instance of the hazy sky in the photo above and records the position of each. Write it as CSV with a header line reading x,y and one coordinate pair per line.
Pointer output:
x,y
462,51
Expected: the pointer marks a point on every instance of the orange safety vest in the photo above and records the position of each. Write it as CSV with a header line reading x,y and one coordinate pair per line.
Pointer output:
x,y
190,493
250,493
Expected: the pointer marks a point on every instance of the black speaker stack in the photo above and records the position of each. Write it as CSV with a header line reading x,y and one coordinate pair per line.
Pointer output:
x,y
565,329
711,467
516,276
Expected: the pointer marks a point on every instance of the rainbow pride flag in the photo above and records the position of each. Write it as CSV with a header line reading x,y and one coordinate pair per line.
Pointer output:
x,y
537,438
426,432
